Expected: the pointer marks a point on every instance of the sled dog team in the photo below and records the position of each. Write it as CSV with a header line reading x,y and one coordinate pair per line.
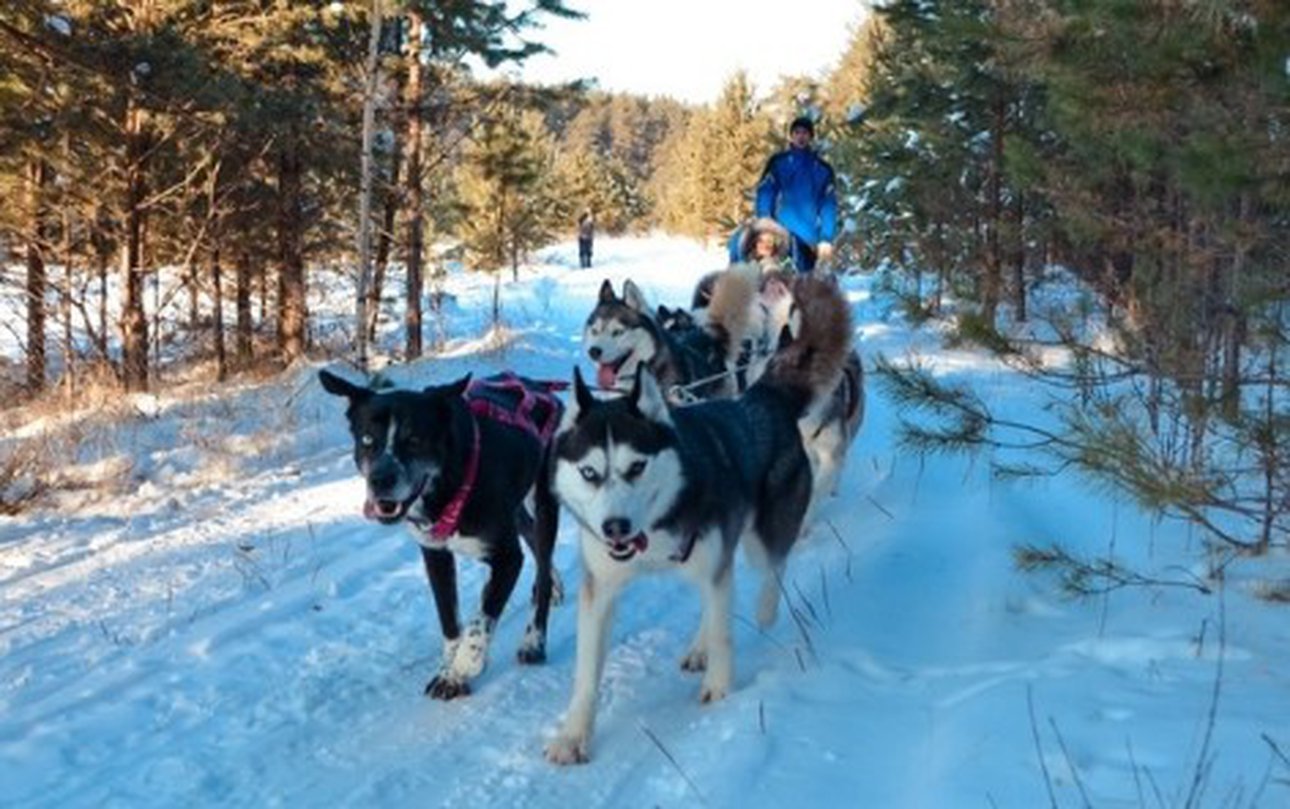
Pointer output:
x,y
724,425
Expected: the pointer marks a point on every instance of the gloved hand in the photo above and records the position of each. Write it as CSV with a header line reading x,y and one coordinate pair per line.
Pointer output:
x,y
824,251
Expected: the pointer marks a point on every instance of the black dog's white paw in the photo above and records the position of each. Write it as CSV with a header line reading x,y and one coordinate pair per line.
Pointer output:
x,y
446,687
533,648
531,656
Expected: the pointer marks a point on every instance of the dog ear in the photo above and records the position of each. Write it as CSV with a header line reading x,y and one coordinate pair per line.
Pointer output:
x,y
785,338
452,389
340,387
646,398
634,298
663,313
607,292
582,398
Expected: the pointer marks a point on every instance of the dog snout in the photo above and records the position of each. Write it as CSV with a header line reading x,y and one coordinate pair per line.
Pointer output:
x,y
384,475
594,352
616,528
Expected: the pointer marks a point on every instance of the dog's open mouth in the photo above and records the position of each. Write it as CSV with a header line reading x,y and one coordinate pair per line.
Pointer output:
x,y
388,511
620,550
607,372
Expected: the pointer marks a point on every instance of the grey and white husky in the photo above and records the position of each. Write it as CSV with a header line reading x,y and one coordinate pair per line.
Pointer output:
x,y
696,362
655,488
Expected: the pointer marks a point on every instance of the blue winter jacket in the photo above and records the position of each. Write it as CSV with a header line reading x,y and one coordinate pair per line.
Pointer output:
x,y
796,189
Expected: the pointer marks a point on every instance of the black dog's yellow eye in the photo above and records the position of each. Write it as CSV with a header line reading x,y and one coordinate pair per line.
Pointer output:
x,y
634,471
589,474
367,440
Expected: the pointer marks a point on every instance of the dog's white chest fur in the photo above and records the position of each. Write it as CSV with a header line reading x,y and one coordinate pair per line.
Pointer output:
x,y
456,542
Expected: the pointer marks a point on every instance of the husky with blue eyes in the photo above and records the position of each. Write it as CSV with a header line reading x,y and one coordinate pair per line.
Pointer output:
x,y
656,487
699,360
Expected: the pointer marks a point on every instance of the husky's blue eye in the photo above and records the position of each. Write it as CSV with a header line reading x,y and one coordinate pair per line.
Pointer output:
x,y
367,440
634,471
589,474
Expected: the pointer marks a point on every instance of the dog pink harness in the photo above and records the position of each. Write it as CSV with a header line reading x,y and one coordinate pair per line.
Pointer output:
x,y
506,399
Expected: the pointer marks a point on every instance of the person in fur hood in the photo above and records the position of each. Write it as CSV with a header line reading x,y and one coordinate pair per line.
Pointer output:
x,y
761,241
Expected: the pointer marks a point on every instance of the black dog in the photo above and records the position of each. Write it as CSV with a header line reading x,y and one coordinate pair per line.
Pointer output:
x,y
455,464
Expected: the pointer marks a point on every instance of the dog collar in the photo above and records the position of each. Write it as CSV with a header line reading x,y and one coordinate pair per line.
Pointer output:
x,y
446,525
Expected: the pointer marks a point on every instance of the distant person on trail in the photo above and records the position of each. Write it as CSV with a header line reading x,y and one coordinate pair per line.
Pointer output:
x,y
796,190
586,232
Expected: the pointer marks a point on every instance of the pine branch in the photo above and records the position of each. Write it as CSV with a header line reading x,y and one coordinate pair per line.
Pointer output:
x,y
1082,578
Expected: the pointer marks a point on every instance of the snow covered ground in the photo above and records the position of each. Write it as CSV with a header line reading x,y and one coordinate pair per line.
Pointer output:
x,y
222,628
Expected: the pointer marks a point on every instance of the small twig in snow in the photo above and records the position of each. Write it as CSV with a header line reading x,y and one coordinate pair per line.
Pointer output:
x,y
1039,748
672,760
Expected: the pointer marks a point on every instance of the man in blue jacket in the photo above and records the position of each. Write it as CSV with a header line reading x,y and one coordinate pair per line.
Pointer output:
x,y
796,189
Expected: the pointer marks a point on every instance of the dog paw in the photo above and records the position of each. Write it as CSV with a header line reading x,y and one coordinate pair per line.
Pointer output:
x,y
470,655
533,647
713,692
447,687
695,660
564,750
531,657
533,650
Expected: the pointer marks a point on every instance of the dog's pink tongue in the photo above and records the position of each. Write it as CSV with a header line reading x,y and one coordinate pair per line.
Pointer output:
x,y
606,376
372,509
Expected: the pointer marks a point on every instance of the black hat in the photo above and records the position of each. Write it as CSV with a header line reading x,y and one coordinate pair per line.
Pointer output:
x,y
803,122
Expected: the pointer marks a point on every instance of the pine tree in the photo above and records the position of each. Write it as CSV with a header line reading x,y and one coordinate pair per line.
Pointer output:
x,y
1146,140
706,179
506,189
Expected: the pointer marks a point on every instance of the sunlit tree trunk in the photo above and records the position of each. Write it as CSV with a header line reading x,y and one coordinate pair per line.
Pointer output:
x,y
415,189
37,280
242,302
134,321
291,265
361,303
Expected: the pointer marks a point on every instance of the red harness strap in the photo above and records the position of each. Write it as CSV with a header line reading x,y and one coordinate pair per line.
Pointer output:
x,y
520,416
446,525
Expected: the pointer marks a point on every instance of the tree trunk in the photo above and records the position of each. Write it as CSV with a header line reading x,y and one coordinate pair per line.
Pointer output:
x,y
1017,222
992,280
134,321
291,265
1234,324
217,304
101,242
415,192
372,81
105,262
384,241
37,279
65,313
194,297
262,279
242,302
